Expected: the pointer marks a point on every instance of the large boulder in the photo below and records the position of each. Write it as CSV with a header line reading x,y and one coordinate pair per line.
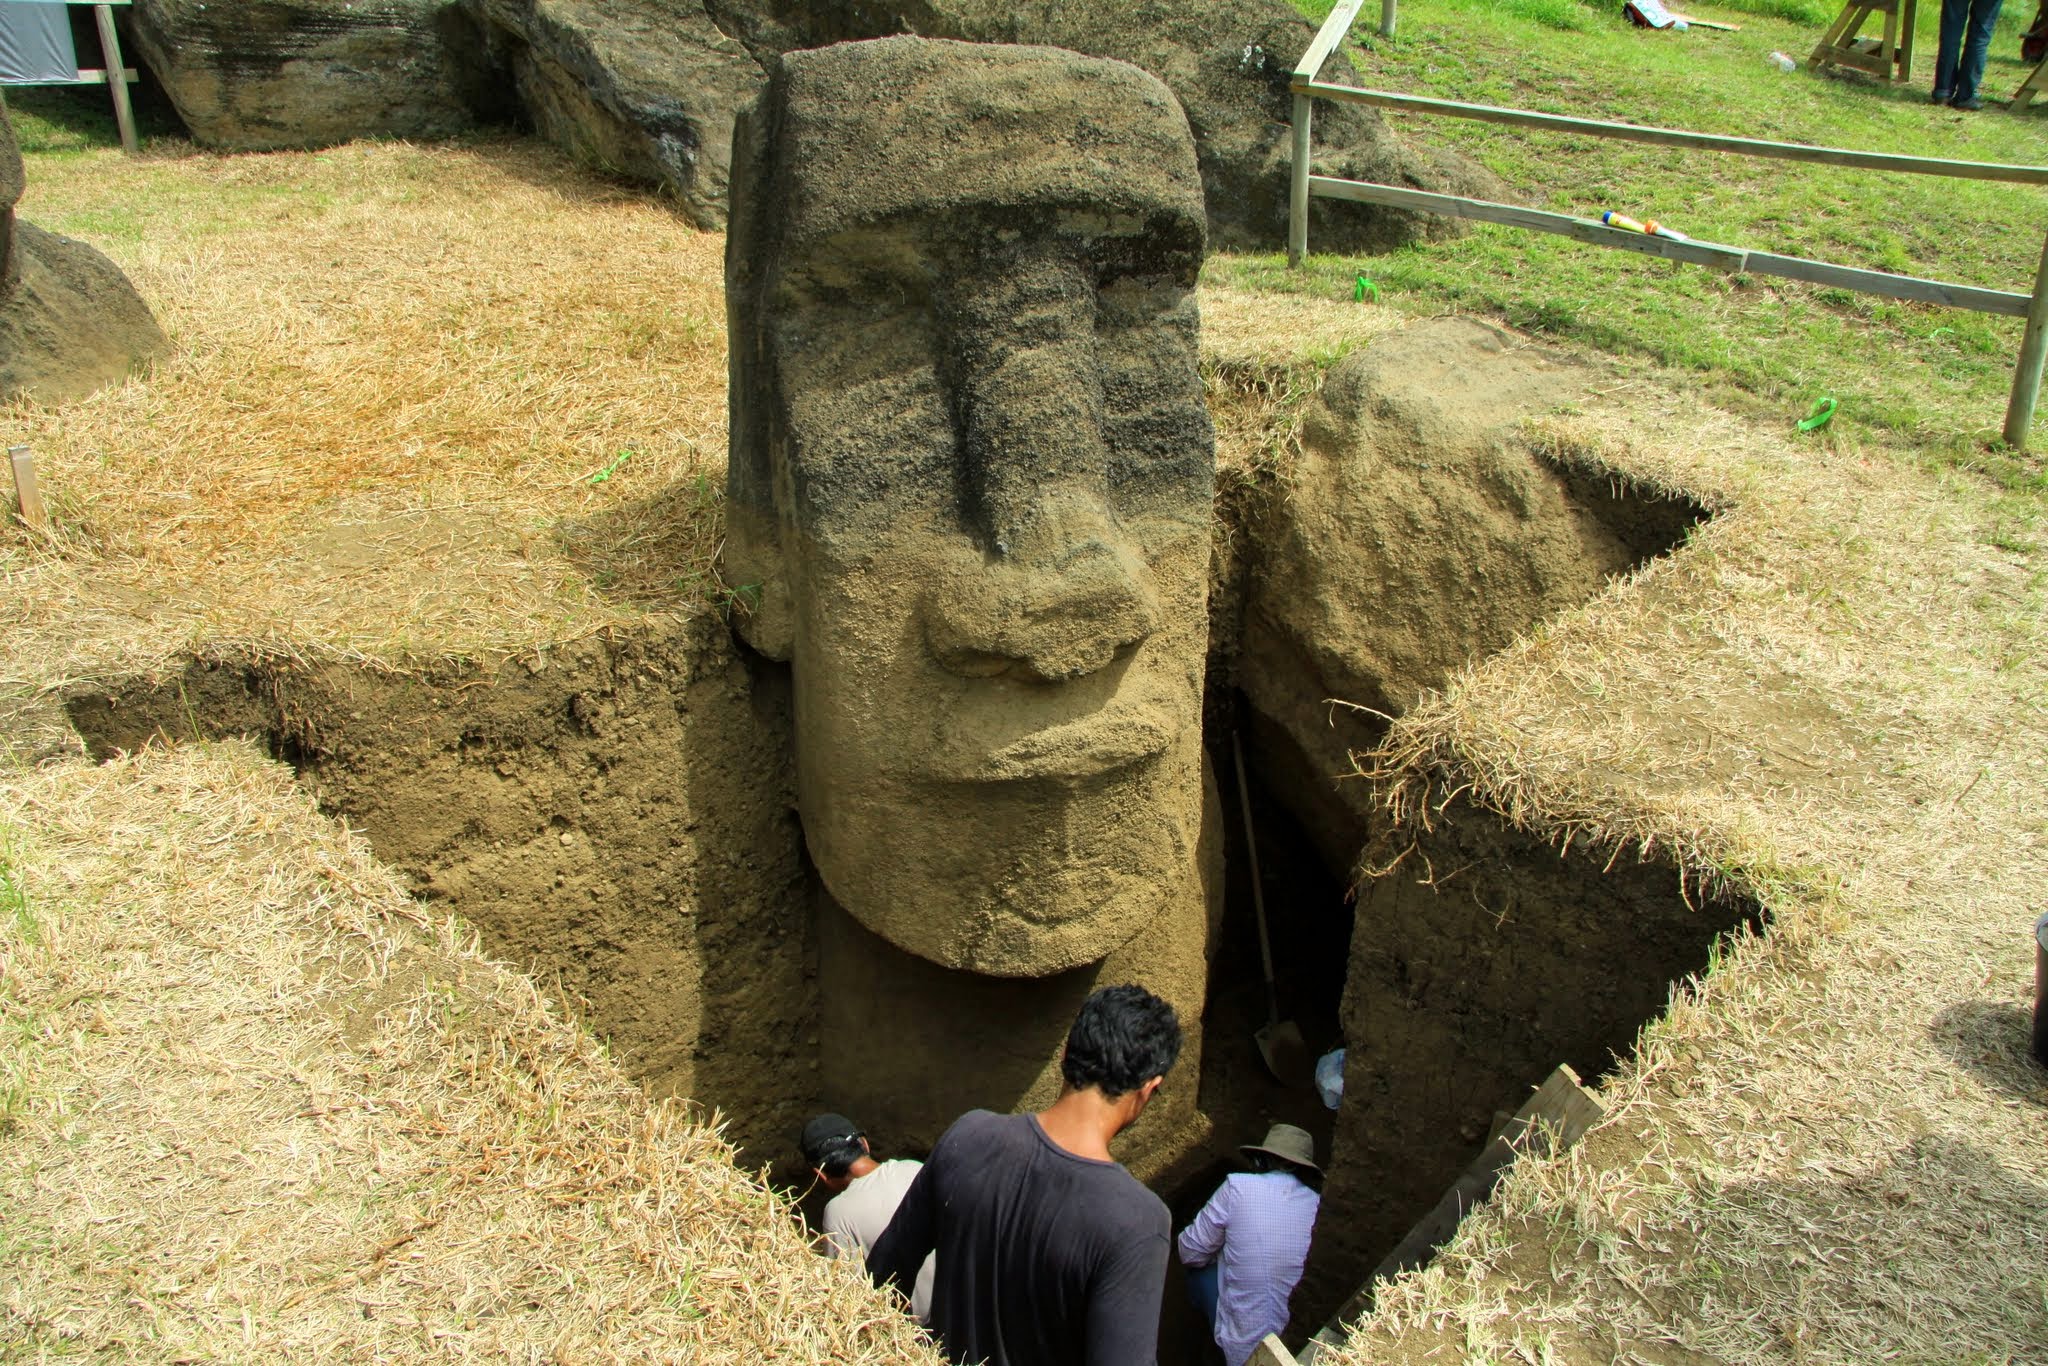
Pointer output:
x,y
648,89
261,74
1227,61
645,89
69,319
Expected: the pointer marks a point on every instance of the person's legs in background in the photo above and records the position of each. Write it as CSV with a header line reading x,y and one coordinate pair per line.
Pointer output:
x,y
1955,16
1976,50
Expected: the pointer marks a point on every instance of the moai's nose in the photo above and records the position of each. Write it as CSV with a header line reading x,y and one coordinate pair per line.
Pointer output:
x,y
1064,589
1063,601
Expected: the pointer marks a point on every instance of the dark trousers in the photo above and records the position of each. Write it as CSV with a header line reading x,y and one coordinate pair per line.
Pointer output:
x,y
1965,44
1204,1289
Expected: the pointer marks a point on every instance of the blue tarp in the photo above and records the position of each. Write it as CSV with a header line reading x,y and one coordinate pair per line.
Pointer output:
x,y
35,42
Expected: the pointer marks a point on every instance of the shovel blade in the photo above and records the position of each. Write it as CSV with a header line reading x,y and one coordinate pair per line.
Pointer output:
x,y
1285,1053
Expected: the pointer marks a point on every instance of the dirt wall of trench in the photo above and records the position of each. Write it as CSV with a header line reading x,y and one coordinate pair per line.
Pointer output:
x,y
1478,964
615,817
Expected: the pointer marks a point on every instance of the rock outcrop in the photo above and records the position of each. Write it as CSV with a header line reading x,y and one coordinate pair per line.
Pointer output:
x,y
1228,62
648,89
262,74
644,89
69,319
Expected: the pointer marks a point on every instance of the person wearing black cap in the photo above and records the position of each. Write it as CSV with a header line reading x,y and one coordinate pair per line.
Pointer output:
x,y
1245,1250
865,1195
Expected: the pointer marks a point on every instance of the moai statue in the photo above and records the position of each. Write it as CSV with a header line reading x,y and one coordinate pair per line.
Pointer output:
x,y
969,501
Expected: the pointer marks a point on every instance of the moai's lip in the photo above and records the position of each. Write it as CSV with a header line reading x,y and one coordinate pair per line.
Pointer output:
x,y
1110,740
1128,731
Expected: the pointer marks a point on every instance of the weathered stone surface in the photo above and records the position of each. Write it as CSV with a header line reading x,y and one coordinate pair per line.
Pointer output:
x,y
912,1045
1228,62
71,323
970,484
646,89
259,74
13,181
69,319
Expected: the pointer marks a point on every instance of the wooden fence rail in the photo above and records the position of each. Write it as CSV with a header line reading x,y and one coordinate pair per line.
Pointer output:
x,y
2026,384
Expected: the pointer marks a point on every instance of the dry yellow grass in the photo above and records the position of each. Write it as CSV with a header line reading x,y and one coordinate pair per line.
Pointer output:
x,y
398,418
1834,700
255,1106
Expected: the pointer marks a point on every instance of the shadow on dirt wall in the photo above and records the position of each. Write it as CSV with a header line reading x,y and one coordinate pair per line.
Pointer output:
x,y
613,817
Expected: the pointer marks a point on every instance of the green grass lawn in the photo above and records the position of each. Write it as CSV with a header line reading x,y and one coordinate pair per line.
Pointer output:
x,y
1935,377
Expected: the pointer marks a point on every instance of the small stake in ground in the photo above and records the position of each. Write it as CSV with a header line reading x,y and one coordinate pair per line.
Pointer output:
x,y
26,496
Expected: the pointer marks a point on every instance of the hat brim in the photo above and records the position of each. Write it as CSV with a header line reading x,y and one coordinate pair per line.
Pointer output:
x,y
1249,1148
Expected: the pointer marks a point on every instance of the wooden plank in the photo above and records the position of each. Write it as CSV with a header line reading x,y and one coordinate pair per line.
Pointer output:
x,y
2001,302
110,51
1270,1352
1678,137
2036,81
1327,37
1537,220
27,497
1913,287
91,75
1554,1118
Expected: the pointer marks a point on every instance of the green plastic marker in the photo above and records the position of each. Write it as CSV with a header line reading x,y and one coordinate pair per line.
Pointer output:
x,y
1823,412
1364,287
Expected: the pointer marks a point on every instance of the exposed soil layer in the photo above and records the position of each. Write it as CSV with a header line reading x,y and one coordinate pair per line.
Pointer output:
x,y
615,817
1418,531
1479,962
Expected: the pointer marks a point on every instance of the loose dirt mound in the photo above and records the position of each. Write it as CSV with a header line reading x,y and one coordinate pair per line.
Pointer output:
x,y
1415,533
1831,701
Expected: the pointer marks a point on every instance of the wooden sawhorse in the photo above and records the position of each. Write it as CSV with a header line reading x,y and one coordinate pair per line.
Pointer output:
x,y
2036,83
1890,56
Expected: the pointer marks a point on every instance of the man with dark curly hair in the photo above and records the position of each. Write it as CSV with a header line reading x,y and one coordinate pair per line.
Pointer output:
x,y
1048,1250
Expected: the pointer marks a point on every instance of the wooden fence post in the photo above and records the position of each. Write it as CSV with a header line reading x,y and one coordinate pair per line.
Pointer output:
x,y
2026,377
26,495
117,75
1297,188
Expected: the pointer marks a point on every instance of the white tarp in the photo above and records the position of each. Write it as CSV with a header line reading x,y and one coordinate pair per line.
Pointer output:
x,y
35,42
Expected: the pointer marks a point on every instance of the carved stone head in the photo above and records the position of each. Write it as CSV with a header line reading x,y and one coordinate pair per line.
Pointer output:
x,y
970,485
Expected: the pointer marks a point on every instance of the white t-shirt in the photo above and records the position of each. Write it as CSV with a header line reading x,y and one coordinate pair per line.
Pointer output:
x,y
859,1215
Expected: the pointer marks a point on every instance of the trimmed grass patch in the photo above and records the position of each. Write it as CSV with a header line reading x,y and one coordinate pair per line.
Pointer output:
x,y
1935,377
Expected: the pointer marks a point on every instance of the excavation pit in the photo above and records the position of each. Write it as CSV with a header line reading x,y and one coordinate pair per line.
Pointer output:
x,y
618,816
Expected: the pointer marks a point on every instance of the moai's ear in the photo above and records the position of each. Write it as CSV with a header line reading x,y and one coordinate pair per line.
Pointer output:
x,y
757,586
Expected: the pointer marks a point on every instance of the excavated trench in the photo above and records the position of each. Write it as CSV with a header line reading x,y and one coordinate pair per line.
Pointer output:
x,y
617,816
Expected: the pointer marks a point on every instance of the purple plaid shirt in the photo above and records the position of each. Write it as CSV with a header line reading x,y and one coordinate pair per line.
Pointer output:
x,y
1256,1228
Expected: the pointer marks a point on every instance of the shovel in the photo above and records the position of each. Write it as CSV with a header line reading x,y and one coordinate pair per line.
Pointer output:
x,y
1280,1043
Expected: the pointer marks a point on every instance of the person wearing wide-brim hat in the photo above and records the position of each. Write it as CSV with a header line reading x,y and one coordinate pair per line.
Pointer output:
x,y
1245,1250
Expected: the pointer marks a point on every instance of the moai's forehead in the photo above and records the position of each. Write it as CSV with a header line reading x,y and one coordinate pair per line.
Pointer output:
x,y
908,129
